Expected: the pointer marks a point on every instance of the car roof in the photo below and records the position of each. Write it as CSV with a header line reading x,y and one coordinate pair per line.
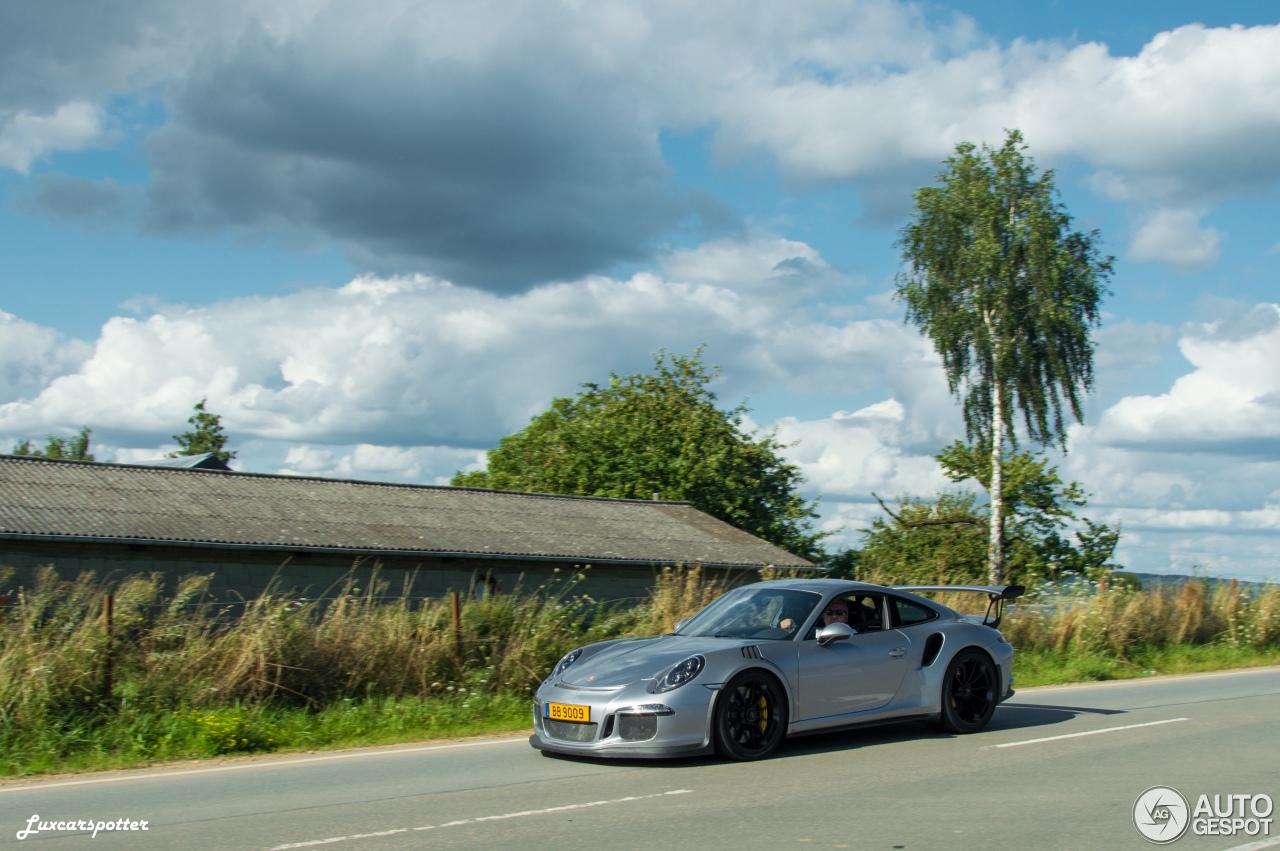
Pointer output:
x,y
823,585
827,586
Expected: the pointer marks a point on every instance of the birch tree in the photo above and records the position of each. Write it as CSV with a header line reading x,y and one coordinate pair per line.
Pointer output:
x,y
1008,293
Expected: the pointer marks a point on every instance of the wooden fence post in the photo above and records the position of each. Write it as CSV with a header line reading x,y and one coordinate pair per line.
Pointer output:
x,y
108,612
457,627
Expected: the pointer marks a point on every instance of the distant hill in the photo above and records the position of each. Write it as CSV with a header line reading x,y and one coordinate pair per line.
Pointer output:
x,y
1152,581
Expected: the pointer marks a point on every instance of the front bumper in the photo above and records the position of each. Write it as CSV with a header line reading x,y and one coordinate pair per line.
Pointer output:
x,y
627,722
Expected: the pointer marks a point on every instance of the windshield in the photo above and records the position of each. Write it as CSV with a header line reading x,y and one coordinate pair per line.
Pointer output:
x,y
754,612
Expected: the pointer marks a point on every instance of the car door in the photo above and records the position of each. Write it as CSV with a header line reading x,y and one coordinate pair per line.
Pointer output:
x,y
858,674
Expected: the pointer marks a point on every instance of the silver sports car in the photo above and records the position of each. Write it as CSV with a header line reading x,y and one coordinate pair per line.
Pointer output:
x,y
778,658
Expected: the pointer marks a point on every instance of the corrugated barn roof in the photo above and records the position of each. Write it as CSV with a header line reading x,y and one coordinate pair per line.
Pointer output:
x,y
44,499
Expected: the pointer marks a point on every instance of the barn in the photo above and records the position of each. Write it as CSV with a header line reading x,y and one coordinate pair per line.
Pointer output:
x,y
304,535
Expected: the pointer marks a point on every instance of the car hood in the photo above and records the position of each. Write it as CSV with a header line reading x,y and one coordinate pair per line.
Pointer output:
x,y
630,661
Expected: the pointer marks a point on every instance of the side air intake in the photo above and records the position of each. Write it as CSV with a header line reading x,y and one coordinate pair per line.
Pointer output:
x,y
932,647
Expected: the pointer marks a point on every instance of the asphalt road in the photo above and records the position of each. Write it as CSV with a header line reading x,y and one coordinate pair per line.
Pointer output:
x,y
1058,768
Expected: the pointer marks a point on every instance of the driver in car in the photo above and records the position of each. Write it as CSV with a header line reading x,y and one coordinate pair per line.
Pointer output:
x,y
837,611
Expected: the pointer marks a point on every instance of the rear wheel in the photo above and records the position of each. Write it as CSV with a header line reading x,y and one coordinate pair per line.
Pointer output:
x,y
969,692
751,716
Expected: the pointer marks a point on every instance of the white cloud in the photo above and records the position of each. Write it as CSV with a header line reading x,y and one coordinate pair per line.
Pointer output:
x,y
766,265
1204,519
1230,402
1251,557
135,455
852,455
1177,239
1158,121
31,356
428,464
1190,475
415,361
25,137
1132,480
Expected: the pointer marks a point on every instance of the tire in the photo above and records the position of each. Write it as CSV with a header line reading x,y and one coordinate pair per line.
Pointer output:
x,y
969,691
750,717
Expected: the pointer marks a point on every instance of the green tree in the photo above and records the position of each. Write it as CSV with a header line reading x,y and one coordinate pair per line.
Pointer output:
x,y
1040,507
946,539
66,448
924,542
206,435
658,433
1008,294
844,564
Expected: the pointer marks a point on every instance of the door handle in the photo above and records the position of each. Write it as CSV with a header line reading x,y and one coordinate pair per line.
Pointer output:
x,y
897,652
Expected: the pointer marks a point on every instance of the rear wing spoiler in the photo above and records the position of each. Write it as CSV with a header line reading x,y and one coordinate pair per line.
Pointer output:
x,y
997,596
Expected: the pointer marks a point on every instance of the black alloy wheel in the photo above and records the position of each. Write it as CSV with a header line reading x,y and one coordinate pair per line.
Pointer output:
x,y
750,717
969,692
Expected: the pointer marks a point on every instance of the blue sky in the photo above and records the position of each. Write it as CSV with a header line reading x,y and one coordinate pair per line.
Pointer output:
x,y
380,239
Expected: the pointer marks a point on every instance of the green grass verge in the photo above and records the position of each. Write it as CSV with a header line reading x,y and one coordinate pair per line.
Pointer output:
x,y
1051,667
133,738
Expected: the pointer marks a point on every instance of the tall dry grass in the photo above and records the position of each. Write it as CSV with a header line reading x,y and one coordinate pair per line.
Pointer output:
x,y
1093,617
677,593
369,664
1098,618
186,652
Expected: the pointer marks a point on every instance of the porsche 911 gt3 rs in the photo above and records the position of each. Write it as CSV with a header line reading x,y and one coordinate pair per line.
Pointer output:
x,y
776,659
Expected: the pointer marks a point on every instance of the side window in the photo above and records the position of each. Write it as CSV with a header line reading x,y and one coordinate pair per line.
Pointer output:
x,y
865,614
839,602
906,613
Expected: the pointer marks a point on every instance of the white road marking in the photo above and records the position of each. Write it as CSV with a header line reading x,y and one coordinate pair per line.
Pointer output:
x,y
334,839
1085,733
264,763
480,819
1257,846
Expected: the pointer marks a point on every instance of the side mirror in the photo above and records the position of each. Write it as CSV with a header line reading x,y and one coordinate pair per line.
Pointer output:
x,y
835,632
680,623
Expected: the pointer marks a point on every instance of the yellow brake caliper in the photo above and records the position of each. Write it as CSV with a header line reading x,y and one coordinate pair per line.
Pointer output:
x,y
764,714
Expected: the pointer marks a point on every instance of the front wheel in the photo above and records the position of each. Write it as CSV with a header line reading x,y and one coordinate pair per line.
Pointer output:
x,y
969,692
751,716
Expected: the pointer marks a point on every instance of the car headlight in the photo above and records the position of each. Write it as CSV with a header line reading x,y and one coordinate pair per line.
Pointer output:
x,y
567,660
679,674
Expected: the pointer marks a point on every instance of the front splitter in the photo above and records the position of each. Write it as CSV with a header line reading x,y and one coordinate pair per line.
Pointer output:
x,y
620,752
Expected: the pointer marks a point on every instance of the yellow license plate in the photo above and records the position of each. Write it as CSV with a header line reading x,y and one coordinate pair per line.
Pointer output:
x,y
569,712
